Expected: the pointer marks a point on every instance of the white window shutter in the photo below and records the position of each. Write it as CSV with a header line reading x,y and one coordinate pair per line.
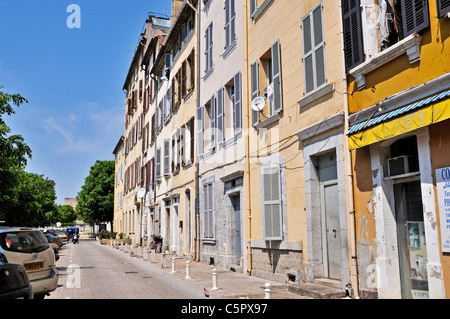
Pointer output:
x,y
272,203
166,157
237,104
200,130
220,116
213,121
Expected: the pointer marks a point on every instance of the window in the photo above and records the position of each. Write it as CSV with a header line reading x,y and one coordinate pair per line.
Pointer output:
x,y
209,48
166,157
230,16
396,20
443,7
229,110
158,164
313,50
200,130
270,64
208,224
187,143
271,201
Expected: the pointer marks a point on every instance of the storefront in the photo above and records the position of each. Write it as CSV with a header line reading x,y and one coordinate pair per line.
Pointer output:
x,y
408,246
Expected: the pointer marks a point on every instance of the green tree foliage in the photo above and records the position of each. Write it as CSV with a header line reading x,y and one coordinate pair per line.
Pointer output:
x,y
96,198
67,214
32,202
13,152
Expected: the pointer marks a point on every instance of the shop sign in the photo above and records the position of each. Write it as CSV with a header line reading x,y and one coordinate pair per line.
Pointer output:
x,y
443,192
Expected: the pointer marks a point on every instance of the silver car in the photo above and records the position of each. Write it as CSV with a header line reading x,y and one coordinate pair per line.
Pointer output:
x,y
30,248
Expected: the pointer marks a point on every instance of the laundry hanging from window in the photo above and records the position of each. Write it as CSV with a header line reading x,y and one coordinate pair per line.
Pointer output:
x,y
387,25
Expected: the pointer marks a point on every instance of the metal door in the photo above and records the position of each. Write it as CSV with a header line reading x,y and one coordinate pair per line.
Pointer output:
x,y
331,234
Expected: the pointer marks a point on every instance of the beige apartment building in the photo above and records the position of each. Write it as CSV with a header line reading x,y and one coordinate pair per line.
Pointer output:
x,y
174,73
119,159
136,86
221,135
297,151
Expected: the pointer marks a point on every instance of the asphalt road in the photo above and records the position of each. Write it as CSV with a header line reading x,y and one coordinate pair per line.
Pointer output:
x,y
88,270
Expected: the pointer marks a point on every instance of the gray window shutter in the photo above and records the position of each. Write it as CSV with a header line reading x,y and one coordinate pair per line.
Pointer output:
x,y
213,121
220,117
166,157
227,24
277,85
353,39
158,164
272,203
414,16
255,89
253,6
200,130
237,104
208,211
443,7
313,50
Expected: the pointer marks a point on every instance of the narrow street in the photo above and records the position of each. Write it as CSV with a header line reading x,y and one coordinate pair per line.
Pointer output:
x,y
90,271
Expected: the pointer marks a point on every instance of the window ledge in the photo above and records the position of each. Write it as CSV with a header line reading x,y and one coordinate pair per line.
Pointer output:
x,y
316,94
259,11
410,45
268,121
230,49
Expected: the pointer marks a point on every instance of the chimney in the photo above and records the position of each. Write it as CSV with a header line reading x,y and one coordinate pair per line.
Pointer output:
x,y
176,5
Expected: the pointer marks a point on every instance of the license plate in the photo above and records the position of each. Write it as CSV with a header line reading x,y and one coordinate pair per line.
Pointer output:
x,y
34,266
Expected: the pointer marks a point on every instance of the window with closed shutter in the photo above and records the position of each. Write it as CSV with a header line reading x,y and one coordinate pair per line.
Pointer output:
x,y
158,164
313,50
272,204
208,222
443,7
229,23
209,48
200,130
166,157
212,117
415,16
353,38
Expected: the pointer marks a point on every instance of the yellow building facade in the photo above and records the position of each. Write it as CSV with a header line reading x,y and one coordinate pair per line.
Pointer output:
x,y
297,145
119,157
398,63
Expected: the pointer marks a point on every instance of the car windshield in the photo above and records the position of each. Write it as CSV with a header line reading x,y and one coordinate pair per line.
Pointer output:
x,y
23,241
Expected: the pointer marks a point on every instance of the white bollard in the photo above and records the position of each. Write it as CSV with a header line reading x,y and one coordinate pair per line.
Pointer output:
x,y
173,265
214,279
267,291
187,270
145,254
163,260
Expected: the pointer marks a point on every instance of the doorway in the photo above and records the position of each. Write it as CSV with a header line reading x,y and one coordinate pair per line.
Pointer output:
x,y
411,240
236,227
330,220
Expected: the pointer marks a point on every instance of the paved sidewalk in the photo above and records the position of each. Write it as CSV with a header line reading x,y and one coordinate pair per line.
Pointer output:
x,y
231,285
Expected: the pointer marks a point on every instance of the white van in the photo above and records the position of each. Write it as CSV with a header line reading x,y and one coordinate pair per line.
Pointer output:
x,y
30,248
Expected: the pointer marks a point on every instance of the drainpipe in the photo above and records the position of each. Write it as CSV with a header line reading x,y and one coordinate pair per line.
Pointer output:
x,y
247,146
350,198
197,164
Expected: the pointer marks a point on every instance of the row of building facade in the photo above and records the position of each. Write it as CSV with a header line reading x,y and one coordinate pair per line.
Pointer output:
x,y
294,141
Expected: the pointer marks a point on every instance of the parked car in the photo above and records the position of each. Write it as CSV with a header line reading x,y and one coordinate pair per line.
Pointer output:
x,y
63,235
54,238
30,248
54,246
14,282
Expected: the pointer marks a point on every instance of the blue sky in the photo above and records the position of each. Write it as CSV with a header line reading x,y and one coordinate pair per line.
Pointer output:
x,y
72,78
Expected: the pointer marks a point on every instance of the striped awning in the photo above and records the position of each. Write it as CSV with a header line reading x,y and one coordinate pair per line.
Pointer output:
x,y
390,115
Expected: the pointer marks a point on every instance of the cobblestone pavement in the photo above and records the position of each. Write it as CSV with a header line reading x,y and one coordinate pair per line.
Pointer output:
x,y
89,270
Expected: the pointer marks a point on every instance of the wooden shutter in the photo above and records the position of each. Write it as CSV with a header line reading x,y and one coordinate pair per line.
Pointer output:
x,y
443,7
415,16
213,121
166,157
353,36
272,203
255,89
277,85
200,130
237,104
220,117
